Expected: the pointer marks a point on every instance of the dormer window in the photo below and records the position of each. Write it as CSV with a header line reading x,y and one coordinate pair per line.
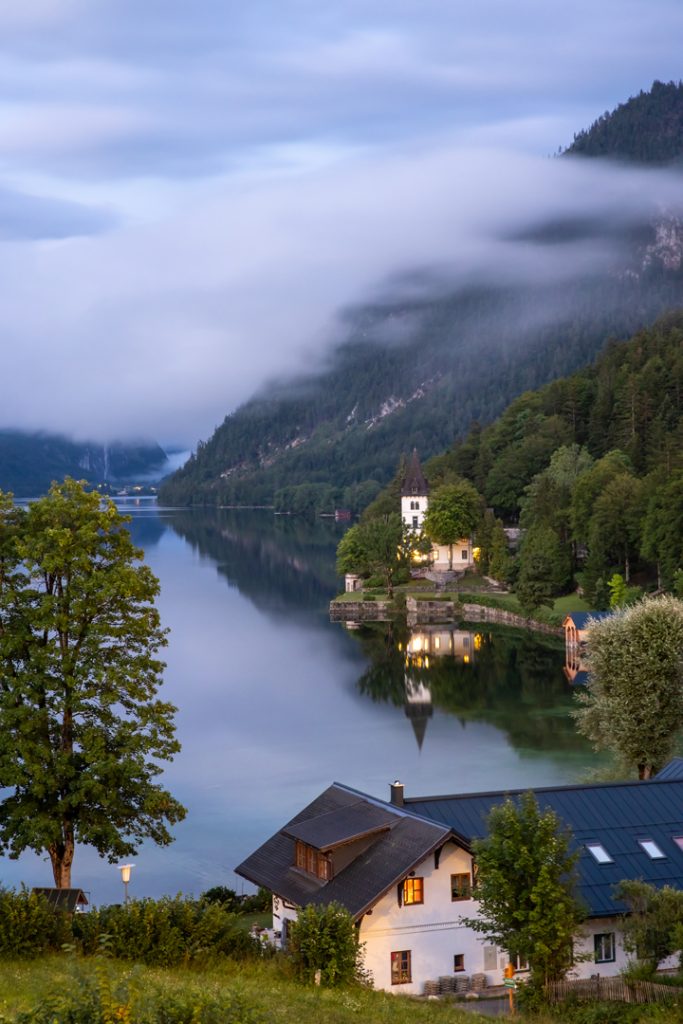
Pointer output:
x,y
599,853
312,861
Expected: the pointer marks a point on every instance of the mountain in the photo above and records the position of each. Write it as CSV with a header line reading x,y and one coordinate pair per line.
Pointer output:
x,y
417,371
648,129
29,462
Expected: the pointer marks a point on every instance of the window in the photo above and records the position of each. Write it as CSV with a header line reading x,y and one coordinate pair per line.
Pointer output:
x,y
599,852
400,967
413,891
459,962
464,554
604,948
461,886
519,961
678,840
417,505
313,861
415,519
651,849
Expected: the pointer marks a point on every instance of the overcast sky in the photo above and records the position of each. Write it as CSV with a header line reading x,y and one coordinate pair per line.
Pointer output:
x,y
189,191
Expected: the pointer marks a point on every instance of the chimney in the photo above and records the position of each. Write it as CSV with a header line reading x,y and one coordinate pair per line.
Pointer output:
x,y
396,790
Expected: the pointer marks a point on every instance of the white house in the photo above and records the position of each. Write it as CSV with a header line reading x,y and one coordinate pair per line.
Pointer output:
x,y
414,505
404,870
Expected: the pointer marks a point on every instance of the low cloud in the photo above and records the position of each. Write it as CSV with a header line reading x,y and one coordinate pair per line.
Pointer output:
x,y
166,327
191,194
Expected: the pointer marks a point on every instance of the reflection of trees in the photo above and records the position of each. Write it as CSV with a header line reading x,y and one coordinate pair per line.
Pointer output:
x,y
284,564
515,682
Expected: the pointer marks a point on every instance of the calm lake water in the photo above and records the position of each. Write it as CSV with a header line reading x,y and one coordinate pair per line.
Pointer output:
x,y
275,702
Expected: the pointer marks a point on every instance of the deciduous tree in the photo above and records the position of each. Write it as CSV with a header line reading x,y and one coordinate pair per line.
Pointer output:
x,y
632,704
453,513
81,729
525,887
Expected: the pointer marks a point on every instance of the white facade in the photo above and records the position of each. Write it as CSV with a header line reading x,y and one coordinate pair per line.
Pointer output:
x,y
413,508
430,938
462,555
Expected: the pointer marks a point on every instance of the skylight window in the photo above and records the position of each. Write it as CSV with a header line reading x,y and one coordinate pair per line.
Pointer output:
x,y
678,840
651,849
599,852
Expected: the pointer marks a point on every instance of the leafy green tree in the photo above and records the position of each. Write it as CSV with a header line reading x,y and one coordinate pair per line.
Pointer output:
x,y
453,513
651,929
375,547
662,528
324,939
81,730
525,887
614,527
589,486
544,568
633,702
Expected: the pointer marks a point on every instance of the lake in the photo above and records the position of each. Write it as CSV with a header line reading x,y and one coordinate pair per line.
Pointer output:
x,y
275,702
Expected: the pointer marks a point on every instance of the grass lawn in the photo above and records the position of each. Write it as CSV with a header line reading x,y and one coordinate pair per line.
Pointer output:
x,y
263,990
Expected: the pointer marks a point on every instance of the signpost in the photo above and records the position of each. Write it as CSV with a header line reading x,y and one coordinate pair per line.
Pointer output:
x,y
511,985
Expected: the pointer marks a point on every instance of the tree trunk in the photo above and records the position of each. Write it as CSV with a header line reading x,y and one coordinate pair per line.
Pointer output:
x,y
645,771
61,856
627,568
450,556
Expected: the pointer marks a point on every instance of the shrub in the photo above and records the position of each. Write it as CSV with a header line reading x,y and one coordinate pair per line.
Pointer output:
x,y
165,932
29,926
260,902
324,939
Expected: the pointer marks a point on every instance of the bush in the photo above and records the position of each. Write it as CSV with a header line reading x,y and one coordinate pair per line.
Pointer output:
x,y
259,903
165,932
324,939
29,926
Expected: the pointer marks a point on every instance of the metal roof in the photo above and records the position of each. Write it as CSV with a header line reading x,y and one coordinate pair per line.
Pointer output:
x,y
63,899
673,770
616,815
389,855
581,618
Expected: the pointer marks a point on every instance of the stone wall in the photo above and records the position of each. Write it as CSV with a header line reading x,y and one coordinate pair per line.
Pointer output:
x,y
480,613
360,611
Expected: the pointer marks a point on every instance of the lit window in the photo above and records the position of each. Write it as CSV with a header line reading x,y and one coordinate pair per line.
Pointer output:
x,y
678,840
459,962
400,967
604,948
599,852
413,891
651,849
519,961
461,886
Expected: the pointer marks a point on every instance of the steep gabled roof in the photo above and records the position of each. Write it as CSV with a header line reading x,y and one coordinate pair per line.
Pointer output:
x,y
397,841
616,815
414,481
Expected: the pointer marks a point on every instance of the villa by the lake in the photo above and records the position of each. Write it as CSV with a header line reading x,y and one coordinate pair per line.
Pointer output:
x,y
404,870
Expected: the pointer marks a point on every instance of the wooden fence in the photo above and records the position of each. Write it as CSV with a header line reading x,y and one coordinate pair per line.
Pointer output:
x,y
616,990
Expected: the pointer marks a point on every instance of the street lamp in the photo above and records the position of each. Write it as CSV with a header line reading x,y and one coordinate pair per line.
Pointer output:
x,y
125,870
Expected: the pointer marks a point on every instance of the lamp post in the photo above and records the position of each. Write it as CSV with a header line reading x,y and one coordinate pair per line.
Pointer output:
x,y
125,870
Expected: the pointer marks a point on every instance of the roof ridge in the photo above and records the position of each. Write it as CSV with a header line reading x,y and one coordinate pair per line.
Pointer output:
x,y
544,789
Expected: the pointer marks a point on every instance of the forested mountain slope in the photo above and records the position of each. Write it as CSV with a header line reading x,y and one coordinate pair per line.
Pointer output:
x,y
647,129
591,464
418,372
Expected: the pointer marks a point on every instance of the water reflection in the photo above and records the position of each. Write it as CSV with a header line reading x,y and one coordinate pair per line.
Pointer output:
x,y
508,678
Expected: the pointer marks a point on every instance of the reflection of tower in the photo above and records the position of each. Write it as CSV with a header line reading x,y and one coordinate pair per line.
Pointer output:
x,y
418,706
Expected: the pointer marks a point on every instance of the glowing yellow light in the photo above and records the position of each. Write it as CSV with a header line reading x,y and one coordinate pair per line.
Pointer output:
x,y
476,552
400,646
426,662
466,658
477,641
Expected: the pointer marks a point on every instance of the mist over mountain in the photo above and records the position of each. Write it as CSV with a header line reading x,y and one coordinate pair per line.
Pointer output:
x,y
29,462
443,347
